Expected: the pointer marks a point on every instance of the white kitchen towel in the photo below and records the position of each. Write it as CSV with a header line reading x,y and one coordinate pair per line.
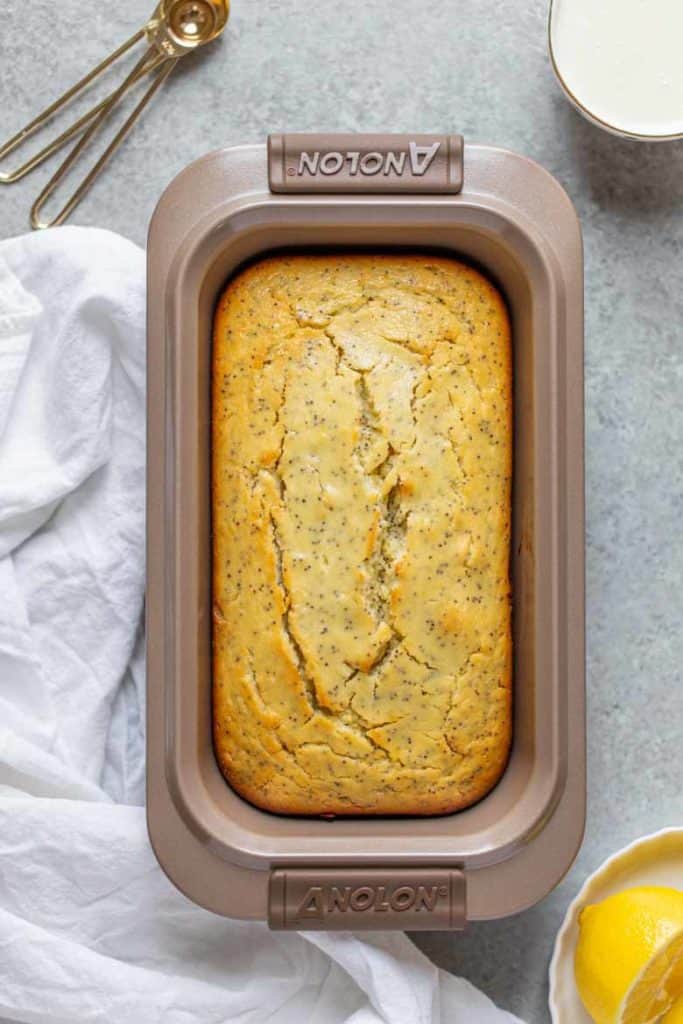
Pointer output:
x,y
90,928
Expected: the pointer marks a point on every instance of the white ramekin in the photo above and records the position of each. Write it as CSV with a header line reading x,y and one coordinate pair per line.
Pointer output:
x,y
652,860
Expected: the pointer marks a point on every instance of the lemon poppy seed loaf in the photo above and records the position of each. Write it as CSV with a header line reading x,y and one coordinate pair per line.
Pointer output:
x,y
361,466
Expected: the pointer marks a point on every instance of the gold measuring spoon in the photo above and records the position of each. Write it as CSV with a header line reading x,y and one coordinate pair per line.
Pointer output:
x,y
177,28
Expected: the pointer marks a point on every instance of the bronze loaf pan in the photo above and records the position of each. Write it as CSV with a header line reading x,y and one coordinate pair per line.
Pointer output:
x,y
513,220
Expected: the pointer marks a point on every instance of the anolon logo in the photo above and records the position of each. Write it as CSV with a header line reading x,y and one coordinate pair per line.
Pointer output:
x,y
321,900
418,159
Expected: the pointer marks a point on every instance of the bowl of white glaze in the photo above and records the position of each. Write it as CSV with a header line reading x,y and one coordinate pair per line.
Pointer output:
x,y
620,63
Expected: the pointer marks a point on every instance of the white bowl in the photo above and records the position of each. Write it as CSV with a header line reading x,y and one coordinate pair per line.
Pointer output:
x,y
593,104
652,860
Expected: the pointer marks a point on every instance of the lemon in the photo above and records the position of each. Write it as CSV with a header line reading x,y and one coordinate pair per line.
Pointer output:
x,y
629,958
675,1014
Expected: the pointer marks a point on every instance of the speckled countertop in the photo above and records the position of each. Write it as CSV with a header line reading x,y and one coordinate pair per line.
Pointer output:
x,y
480,68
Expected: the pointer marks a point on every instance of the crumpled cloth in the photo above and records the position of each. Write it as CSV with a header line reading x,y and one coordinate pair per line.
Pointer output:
x,y
90,928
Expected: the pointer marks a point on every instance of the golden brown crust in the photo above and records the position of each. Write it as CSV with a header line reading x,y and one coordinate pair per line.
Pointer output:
x,y
361,511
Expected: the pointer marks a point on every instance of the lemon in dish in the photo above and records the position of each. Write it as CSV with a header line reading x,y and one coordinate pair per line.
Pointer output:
x,y
629,958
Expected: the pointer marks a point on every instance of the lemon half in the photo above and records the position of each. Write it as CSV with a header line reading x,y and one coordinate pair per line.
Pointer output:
x,y
629,957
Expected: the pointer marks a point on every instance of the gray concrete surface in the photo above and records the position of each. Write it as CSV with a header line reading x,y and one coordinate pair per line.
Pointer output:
x,y
480,68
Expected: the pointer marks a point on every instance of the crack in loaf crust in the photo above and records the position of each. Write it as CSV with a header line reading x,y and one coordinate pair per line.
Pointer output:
x,y
361,520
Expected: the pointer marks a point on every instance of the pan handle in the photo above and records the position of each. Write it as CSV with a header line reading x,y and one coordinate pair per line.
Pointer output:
x,y
307,163
367,899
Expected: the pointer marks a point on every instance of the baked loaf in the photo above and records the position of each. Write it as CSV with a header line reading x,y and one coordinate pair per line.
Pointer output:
x,y
361,523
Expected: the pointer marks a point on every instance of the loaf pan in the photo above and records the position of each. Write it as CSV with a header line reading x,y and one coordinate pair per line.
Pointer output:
x,y
510,218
